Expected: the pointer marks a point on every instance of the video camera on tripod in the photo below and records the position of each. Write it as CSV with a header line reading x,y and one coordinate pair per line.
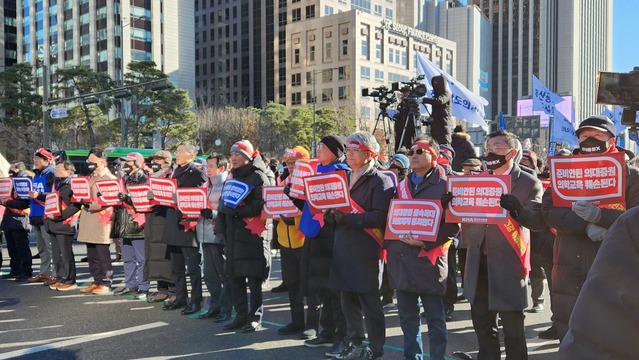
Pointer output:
x,y
382,95
620,89
412,91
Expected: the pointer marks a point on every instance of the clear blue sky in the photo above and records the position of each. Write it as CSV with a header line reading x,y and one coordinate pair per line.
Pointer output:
x,y
625,28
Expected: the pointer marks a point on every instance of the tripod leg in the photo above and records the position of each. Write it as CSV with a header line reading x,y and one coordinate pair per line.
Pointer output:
x,y
401,140
388,133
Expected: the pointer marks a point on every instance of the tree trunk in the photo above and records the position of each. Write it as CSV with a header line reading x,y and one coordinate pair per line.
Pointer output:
x,y
92,142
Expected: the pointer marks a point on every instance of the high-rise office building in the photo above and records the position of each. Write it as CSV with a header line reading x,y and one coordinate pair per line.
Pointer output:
x,y
108,34
8,34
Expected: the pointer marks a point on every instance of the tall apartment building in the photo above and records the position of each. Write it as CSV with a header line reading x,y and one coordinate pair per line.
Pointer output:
x,y
8,34
108,34
564,43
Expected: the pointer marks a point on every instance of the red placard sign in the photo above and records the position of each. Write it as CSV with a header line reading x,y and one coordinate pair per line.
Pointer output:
x,y
52,205
599,179
420,217
302,169
6,185
80,188
327,191
277,203
163,190
190,201
476,199
109,190
138,197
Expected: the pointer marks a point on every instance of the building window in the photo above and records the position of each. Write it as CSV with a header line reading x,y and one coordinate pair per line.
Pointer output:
x,y
309,97
365,47
343,73
327,76
311,53
378,10
365,73
296,79
309,77
379,75
344,47
327,95
389,13
296,56
342,92
310,11
328,54
296,98
296,14
328,10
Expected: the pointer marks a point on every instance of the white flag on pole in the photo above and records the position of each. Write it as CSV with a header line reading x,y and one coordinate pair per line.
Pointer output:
x,y
563,131
544,99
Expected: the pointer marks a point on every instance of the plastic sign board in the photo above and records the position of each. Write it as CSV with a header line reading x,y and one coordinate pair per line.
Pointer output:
x,y
302,169
6,185
419,217
52,205
327,191
22,186
163,190
277,203
138,197
599,179
476,199
80,188
58,113
234,192
109,190
191,200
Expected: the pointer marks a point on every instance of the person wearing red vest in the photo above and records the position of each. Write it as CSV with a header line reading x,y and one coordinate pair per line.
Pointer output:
x,y
495,280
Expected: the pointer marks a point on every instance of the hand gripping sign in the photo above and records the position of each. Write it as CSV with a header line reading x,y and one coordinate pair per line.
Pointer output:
x,y
52,205
476,199
327,191
277,203
419,217
138,197
80,188
302,169
234,192
163,190
191,200
109,190
599,179
6,185
22,186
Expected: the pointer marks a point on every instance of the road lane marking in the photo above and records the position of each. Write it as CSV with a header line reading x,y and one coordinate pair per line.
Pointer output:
x,y
31,329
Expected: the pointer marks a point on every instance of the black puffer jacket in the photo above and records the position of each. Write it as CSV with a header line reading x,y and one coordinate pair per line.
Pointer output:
x,y
464,150
65,223
574,251
442,114
128,227
246,253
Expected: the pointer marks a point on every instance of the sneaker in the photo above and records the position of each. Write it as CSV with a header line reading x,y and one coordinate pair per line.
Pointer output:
x,y
549,334
67,287
54,286
124,290
336,349
101,290
353,351
89,288
141,294
156,297
319,341
537,308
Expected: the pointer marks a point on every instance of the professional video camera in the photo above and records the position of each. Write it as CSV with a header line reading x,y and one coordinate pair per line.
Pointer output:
x,y
620,89
382,95
415,88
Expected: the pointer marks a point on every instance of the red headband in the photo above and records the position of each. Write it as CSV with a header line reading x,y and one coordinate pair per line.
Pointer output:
x,y
424,145
359,146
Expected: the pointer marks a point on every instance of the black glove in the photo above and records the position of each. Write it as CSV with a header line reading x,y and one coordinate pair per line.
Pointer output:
x,y
84,204
340,217
98,194
511,203
287,190
446,198
71,193
56,219
329,217
428,245
289,221
206,213
123,197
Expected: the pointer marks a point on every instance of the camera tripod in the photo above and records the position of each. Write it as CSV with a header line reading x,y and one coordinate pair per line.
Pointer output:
x,y
386,125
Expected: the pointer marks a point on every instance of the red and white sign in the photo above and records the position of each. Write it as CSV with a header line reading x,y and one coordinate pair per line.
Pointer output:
x,y
327,191
302,169
6,185
80,188
277,203
138,197
163,190
599,179
420,217
476,199
109,190
52,205
190,201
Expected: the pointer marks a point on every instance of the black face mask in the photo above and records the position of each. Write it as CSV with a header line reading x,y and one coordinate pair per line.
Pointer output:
x,y
494,161
156,167
592,146
13,173
126,169
91,165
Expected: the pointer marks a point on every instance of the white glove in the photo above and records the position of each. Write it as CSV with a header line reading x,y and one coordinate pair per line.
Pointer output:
x,y
596,232
587,211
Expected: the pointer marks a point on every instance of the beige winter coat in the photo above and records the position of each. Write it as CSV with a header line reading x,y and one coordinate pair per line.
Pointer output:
x,y
95,223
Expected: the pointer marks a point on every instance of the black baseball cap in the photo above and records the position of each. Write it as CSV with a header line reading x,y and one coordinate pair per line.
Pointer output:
x,y
601,123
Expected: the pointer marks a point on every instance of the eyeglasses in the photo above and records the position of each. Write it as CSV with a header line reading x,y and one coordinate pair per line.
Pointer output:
x,y
416,151
394,167
498,148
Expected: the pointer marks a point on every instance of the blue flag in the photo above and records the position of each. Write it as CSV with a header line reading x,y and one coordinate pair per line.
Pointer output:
x,y
544,99
502,122
562,131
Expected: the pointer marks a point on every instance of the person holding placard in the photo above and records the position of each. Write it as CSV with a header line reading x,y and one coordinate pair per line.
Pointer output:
x,y
495,281
95,227
581,229
418,278
16,228
246,248
62,229
356,266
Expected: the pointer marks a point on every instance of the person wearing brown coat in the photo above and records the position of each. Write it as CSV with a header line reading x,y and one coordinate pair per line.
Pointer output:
x,y
95,227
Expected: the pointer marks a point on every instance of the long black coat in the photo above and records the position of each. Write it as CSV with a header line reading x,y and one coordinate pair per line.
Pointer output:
x,y
442,124
356,262
406,270
246,253
59,225
605,321
187,176
574,251
464,150
128,227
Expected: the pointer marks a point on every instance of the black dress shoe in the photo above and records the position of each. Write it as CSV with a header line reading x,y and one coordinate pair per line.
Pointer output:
x,y
223,317
280,288
174,305
235,324
190,309
210,314
22,279
251,327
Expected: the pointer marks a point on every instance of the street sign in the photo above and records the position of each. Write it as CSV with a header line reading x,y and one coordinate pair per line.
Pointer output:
x,y
58,113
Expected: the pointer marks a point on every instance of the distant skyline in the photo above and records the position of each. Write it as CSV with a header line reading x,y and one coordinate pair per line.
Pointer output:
x,y
625,28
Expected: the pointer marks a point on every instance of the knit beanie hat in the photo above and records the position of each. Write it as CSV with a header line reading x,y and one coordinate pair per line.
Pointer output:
x,y
245,148
402,159
335,144
296,153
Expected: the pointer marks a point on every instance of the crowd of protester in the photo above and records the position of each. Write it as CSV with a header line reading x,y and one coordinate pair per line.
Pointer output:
x,y
340,275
